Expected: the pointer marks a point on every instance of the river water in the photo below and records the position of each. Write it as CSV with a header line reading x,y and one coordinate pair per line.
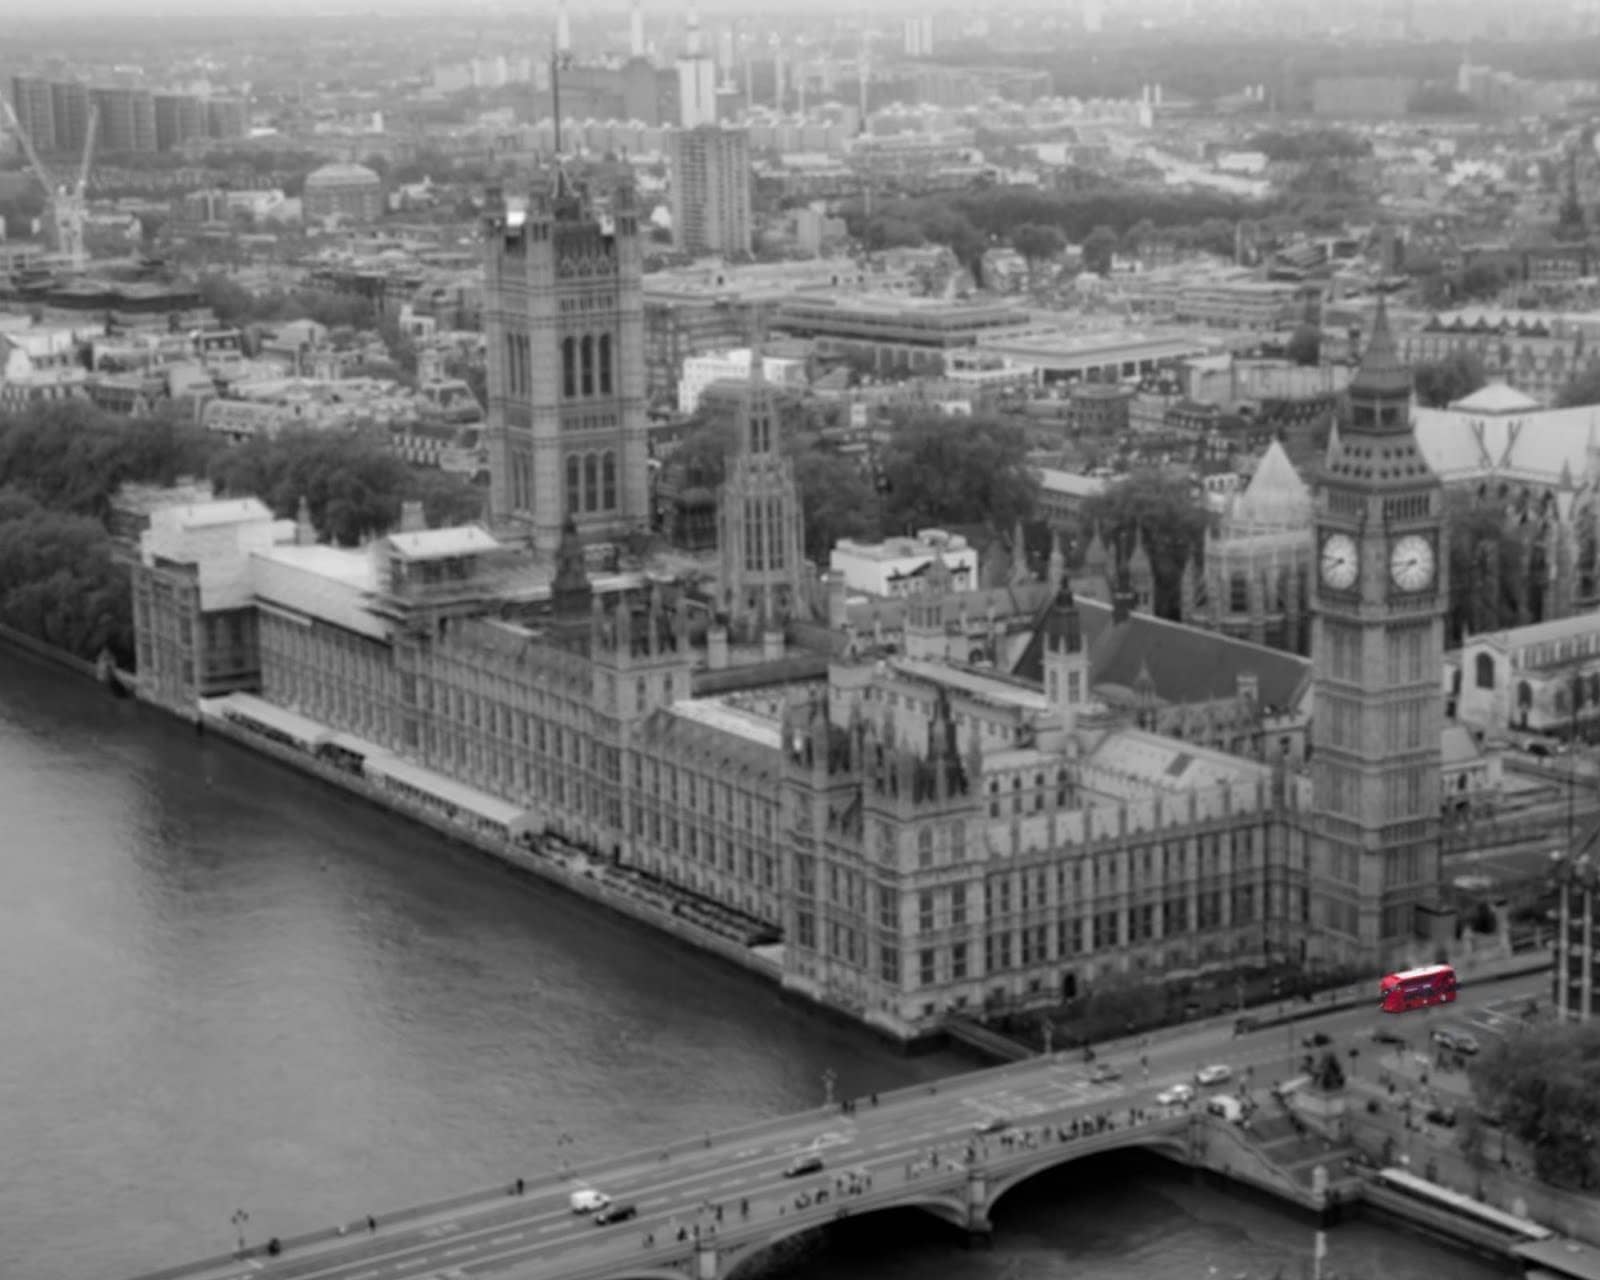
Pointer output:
x,y
225,987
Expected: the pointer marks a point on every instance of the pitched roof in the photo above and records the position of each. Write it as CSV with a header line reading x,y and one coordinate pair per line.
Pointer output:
x,y
1497,397
1276,497
1185,664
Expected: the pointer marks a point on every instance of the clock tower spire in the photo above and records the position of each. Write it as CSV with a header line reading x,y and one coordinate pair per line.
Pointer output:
x,y
1377,658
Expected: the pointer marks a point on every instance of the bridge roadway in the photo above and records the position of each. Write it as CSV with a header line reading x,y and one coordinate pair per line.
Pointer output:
x,y
535,1236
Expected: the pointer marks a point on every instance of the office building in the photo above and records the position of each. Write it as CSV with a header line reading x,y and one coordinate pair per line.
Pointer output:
x,y
564,324
709,169
348,192
127,120
180,118
32,100
697,81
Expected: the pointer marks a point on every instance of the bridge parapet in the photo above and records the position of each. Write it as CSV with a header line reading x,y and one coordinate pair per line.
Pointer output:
x,y
957,1191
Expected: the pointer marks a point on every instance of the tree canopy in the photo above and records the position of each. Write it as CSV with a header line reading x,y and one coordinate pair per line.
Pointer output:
x,y
352,485
1441,383
1582,389
70,456
943,470
1162,509
1305,345
1545,1083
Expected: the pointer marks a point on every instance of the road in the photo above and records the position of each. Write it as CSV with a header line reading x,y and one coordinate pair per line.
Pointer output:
x,y
535,1234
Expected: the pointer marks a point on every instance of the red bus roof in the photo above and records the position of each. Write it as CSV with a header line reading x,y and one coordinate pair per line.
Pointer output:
x,y
1431,971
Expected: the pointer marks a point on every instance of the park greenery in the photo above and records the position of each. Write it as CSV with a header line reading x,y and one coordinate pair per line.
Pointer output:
x,y
1440,383
1544,1084
62,463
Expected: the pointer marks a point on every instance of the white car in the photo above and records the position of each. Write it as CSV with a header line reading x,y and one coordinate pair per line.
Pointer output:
x,y
1178,1093
588,1200
1216,1073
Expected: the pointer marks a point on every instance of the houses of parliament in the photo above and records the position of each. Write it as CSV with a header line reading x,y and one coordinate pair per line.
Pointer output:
x,y
929,823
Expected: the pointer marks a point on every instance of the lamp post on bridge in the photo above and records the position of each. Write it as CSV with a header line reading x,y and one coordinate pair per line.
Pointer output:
x,y
240,1217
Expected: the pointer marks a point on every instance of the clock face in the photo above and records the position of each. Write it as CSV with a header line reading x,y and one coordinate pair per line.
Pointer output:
x,y
1340,561
1411,563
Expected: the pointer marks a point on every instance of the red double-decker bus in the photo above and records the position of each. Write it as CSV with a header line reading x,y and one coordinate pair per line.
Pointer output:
x,y
1419,988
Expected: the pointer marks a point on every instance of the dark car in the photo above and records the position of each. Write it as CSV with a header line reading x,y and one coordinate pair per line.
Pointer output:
x,y
806,1162
615,1212
1245,1025
993,1125
1386,1035
1317,1040
1444,1117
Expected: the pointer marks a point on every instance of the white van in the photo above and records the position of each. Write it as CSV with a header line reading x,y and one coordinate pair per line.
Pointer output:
x,y
1226,1107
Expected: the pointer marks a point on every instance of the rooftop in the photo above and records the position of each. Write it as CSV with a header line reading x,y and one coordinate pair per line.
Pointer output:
x,y
352,568
438,544
1497,397
202,515
1170,764
723,716
977,684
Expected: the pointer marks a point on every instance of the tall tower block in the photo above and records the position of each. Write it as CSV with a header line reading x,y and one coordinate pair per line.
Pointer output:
x,y
1377,658
564,324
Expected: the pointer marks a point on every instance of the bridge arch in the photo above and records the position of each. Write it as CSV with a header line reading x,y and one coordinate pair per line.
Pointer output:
x,y
951,1209
1172,1145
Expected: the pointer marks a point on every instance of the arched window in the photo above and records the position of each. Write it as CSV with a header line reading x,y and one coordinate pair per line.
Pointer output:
x,y
586,359
569,367
591,480
574,490
608,481
1483,668
605,364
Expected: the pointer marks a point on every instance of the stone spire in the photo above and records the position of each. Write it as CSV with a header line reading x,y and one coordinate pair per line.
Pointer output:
x,y
1382,372
570,590
1020,573
1056,574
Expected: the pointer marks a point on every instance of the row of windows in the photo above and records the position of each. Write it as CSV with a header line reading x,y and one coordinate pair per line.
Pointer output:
x,y
765,547
1019,949
591,482
586,366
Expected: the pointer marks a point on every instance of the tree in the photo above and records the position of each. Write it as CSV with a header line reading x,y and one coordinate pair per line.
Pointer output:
x,y
1099,248
1442,382
943,470
59,581
1139,235
1545,1084
1330,1073
1305,345
353,485
837,500
1037,244
1163,510
1583,388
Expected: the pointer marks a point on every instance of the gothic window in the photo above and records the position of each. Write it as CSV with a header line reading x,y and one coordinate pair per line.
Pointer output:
x,y
1239,594
1484,671
574,489
591,481
605,364
569,367
608,481
774,533
586,359
511,363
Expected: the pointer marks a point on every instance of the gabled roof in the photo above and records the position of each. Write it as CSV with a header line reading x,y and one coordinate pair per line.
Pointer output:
x,y
1276,497
1497,397
1184,664
430,544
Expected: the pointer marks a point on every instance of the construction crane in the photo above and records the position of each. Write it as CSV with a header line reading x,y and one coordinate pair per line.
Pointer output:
x,y
68,205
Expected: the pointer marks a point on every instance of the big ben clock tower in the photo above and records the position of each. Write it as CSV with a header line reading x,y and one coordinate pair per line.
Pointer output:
x,y
1377,655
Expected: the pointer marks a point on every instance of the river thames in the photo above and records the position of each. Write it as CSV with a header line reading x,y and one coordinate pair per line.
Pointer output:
x,y
226,987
